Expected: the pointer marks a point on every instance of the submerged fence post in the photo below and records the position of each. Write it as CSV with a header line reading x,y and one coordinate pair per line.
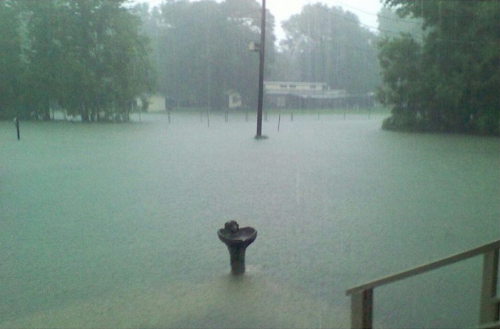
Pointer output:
x,y
16,122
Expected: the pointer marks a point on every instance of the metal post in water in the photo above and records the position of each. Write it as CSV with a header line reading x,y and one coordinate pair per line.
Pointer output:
x,y
237,240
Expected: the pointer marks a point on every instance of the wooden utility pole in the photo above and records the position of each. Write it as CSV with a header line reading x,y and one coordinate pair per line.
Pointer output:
x,y
262,50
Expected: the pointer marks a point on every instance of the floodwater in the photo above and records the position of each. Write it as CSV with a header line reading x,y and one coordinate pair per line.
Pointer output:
x,y
114,225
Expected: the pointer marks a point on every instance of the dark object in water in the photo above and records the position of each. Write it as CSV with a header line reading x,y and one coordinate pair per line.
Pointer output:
x,y
16,122
237,240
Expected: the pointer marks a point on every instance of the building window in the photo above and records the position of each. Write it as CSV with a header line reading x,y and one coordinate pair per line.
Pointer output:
x,y
293,86
312,86
283,86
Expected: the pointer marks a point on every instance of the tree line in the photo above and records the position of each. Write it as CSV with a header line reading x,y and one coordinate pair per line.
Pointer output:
x,y
84,56
329,45
200,50
445,76
94,58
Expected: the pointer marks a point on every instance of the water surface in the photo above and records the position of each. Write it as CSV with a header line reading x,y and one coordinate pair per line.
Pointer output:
x,y
114,225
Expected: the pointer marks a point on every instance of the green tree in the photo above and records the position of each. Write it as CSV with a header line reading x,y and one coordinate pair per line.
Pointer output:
x,y
45,22
328,44
10,59
400,60
458,68
109,60
202,50
86,56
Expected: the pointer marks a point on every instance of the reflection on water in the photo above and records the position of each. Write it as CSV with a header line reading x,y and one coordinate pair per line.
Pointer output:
x,y
115,225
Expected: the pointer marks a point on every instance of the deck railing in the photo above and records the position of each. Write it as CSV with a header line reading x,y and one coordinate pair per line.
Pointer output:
x,y
362,295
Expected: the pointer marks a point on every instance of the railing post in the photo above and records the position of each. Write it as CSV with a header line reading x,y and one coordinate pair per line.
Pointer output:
x,y
488,308
362,309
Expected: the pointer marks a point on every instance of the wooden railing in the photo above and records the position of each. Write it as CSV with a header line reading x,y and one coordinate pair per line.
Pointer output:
x,y
362,295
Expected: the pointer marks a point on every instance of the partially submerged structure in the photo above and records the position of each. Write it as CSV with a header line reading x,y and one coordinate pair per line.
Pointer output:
x,y
291,94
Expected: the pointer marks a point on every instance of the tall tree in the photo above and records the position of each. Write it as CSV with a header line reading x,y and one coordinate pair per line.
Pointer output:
x,y
457,72
46,23
202,50
10,58
328,44
85,56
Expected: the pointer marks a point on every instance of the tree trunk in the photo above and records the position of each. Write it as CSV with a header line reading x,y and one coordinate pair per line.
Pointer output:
x,y
45,109
84,113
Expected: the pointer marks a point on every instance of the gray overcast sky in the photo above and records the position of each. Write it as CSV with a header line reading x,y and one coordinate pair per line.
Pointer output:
x,y
366,10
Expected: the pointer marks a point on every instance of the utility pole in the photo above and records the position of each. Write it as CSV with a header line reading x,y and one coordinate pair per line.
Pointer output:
x,y
262,50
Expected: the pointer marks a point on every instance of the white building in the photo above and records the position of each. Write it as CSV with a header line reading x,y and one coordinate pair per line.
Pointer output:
x,y
302,94
234,100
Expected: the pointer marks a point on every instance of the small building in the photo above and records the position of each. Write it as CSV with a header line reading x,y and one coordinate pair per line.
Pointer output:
x,y
234,99
291,94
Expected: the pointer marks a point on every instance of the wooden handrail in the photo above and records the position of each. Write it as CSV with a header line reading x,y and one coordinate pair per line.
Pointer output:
x,y
425,268
362,296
